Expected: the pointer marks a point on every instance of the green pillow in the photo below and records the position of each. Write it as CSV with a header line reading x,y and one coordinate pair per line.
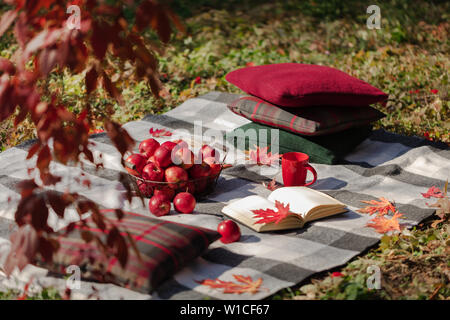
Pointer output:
x,y
326,149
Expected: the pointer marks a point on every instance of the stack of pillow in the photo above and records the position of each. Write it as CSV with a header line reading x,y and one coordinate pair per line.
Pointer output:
x,y
321,111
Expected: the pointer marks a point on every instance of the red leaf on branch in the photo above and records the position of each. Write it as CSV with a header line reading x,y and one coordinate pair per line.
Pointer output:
x,y
381,207
433,192
382,225
269,215
24,245
6,20
244,284
91,80
160,133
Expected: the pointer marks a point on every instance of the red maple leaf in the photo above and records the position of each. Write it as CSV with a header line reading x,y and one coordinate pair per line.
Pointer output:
x,y
260,156
381,207
268,215
160,133
383,225
245,284
272,185
433,192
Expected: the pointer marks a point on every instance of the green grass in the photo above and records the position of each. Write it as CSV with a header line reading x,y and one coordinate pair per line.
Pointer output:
x,y
407,58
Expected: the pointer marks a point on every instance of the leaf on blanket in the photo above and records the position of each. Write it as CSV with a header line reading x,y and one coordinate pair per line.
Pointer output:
x,y
381,207
269,215
382,225
272,185
260,156
160,133
443,205
245,284
433,192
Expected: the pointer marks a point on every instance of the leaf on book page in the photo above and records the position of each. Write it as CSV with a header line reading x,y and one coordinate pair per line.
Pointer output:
x,y
260,156
160,133
272,185
243,284
382,225
269,215
381,207
433,192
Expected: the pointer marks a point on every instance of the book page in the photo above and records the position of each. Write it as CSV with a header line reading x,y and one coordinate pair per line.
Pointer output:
x,y
241,209
302,199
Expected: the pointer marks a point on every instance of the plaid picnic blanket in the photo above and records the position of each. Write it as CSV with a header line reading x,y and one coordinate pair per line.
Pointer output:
x,y
386,165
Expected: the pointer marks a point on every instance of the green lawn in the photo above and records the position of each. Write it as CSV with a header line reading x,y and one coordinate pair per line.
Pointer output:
x,y
407,58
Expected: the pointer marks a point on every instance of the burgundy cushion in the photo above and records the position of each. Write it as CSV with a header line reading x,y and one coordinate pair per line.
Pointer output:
x,y
300,85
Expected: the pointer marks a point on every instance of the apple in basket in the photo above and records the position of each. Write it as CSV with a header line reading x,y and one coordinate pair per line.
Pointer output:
x,y
181,143
169,145
177,176
152,172
184,202
148,147
165,192
183,157
135,163
200,170
207,151
214,165
162,157
145,188
159,206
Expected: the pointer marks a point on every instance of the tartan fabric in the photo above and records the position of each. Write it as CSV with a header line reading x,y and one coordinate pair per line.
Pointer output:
x,y
311,121
165,248
388,165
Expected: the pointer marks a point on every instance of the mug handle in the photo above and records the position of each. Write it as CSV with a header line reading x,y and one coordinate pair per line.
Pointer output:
x,y
308,167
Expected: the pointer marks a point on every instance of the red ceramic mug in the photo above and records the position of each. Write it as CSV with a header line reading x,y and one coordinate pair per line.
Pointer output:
x,y
294,167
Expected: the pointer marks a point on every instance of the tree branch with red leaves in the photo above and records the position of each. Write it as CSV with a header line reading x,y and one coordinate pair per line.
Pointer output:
x,y
48,46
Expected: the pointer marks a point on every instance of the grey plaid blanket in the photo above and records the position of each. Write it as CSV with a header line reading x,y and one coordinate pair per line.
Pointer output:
x,y
386,165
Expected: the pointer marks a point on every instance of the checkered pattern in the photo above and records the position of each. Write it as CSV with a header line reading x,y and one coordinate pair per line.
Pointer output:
x,y
311,121
385,165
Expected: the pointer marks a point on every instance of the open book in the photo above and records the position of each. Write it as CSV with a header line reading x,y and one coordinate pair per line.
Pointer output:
x,y
306,204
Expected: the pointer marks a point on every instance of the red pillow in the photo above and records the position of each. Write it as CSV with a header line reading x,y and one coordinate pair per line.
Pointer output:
x,y
301,85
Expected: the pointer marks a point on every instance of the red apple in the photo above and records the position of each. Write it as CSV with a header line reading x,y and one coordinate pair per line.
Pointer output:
x,y
145,188
135,163
162,157
151,160
229,230
177,176
152,172
183,157
207,151
184,202
165,192
159,206
214,165
168,145
200,170
148,147
181,143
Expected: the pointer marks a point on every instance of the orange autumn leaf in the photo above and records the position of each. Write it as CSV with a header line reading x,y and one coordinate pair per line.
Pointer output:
x,y
381,207
269,215
382,225
272,185
160,133
244,284
260,156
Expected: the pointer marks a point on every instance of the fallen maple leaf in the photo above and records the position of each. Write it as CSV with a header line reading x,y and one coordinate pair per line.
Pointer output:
x,y
246,284
443,205
160,133
268,215
433,192
381,207
272,185
383,225
260,156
